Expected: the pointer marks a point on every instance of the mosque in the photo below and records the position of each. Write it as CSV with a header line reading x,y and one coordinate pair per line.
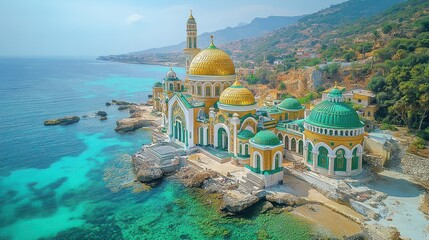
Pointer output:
x,y
211,109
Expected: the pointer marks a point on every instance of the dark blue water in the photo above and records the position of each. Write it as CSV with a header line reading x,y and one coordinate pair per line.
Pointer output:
x,y
64,182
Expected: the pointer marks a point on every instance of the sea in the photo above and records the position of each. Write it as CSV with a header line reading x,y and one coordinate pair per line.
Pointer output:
x,y
71,182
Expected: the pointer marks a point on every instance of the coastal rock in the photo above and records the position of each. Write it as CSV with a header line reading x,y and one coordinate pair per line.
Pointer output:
x,y
235,201
379,232
108,104
146,170
103,118
123,107
122,103
149,174
101,113
282,198
130,124
62,121
266,207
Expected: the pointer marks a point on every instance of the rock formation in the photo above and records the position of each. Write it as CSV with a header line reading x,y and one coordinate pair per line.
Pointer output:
x,y
62,121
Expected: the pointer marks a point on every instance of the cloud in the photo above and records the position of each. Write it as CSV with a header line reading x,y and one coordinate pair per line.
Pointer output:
x,y
134,18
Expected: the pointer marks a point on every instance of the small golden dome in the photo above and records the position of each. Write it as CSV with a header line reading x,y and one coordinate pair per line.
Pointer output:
x,y
212,61
237,95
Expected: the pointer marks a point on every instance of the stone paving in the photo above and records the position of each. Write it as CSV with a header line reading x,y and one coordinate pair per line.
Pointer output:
x,y
226,169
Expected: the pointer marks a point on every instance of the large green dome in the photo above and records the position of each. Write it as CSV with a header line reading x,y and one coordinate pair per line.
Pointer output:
x,y
266,138
290,104
334,115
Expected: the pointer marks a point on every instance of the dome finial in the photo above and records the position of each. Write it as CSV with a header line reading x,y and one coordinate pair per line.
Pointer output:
x,y
335,86
211,42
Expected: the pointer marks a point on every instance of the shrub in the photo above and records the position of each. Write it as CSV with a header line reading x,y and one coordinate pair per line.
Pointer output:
x,y
419,143
386,126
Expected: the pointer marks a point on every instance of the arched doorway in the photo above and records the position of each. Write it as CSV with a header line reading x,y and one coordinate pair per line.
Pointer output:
x,y
258,163
323,160
340,160
355,160
201,136
300,147
222,139
293,145
310,153
287,143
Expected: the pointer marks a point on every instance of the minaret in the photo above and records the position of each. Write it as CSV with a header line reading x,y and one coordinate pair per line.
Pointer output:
x,y
191,48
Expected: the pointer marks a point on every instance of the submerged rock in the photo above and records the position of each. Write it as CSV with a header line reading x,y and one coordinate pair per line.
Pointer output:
x,y
235,201
108,104
282,198
101,113
122,103
62,121
103,118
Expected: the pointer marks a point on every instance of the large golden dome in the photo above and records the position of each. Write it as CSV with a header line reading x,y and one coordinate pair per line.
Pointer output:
x,y
237,95
212,61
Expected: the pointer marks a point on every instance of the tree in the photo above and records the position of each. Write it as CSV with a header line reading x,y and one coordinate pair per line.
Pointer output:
x,y
349,56
282,86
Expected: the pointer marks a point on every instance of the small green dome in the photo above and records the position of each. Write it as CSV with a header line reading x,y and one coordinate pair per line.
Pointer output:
x,y
335,93
158,84
245,134
336,115
267,138
290,104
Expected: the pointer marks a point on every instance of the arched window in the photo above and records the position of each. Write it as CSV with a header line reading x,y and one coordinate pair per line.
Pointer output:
x,y
217,91
277,160
246,149
355,160
323,160
340,160
286,116
280,136
199,90
300,147
293,145
310,153
170,87
240,148
208,91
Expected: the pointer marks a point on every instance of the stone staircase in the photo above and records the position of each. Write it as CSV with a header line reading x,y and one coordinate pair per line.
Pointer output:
x,y
158,136
252,182
215,154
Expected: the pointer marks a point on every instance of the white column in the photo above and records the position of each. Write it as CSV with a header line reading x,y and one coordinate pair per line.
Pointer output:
x,y
315,159
331,164
360,162
305,154
348,164
235,121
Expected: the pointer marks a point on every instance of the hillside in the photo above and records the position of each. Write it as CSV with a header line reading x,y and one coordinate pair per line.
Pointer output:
x,y
312,30
258,27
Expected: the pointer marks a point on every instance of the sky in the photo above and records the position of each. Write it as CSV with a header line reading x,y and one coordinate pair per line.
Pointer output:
x,y
104,27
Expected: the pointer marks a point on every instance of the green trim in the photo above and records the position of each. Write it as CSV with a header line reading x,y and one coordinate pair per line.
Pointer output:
x,y
265,172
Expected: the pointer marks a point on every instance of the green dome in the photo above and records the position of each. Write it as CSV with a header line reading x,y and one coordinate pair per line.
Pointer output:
x,y
290,104
158,84
334,115
245,134
335,93
266,138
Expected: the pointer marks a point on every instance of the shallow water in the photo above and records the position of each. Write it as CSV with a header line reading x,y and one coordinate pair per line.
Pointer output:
x,y
64,182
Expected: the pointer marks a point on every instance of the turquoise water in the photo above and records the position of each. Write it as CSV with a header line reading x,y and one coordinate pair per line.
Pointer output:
x,y
63,182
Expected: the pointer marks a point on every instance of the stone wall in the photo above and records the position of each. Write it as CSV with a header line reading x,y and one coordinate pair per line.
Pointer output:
x,y
417,167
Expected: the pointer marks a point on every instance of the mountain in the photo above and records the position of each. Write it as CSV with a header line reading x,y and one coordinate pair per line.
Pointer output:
x,y
256,28
313,29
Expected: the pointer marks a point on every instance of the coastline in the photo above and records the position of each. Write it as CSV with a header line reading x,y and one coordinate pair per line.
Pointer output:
x,y
217,184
